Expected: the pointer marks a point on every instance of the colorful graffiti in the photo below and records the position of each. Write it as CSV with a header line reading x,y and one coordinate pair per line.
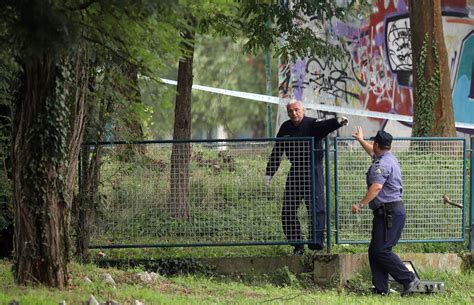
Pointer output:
x,y
463,89
376,73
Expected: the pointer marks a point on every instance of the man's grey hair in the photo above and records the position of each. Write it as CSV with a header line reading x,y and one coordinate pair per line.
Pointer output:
x,y
294,101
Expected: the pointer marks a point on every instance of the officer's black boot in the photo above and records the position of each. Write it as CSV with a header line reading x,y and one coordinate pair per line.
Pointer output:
x,y
407,289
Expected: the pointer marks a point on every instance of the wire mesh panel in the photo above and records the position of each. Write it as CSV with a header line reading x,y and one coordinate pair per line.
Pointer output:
x,y
198,193
433,173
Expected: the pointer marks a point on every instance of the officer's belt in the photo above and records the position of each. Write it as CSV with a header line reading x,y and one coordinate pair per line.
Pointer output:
x,y
388,206
386,211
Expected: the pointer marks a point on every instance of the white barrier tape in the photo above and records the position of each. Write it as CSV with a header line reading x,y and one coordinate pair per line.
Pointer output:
x,y
314,106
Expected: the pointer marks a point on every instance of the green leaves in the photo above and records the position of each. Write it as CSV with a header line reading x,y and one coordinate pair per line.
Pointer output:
x,y
290,23
428,90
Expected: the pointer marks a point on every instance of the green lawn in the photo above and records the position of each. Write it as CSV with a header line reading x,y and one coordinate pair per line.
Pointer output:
x,y
278,288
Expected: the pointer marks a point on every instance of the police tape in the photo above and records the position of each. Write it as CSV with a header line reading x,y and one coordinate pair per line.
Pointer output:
x,y
312,106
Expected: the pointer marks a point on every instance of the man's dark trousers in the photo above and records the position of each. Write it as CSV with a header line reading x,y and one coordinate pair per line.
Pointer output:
x,y
381,258
298,187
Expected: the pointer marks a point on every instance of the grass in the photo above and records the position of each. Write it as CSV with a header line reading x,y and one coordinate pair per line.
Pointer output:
x,y
213,289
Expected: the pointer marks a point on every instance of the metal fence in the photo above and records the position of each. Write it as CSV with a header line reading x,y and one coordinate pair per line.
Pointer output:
x,y
433,171
212,192
192,193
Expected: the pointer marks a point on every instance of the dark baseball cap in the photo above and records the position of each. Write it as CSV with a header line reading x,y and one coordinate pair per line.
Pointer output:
x,y
383,138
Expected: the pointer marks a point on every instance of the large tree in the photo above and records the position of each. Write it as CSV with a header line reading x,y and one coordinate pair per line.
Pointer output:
x,y
55,44
432,102
45,136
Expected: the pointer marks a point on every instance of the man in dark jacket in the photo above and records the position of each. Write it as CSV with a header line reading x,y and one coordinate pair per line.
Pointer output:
x,y
298,182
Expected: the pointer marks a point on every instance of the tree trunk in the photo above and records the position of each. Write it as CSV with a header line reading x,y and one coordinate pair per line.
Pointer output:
x,y
181,152
39,156
84,205
80,206
77,119
432,101
131,128
6,211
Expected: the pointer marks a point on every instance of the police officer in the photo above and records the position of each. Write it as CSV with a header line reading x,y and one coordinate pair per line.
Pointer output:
x,y
384,197
298,182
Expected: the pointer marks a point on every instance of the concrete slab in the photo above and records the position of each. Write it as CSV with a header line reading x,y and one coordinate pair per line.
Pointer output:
x,y
337,269
334,269
230,265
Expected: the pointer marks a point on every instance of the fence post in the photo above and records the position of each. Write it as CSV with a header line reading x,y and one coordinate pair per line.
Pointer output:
x,y
471,198
313,191
328,195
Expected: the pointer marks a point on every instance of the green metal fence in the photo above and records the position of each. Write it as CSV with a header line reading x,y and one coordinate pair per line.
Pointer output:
x,y
434,172
191,193
138,198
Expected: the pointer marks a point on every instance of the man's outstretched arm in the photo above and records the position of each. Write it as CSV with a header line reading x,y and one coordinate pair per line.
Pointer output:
x,y
325,127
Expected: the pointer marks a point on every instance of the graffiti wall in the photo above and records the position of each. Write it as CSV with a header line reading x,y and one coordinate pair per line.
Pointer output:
x,y
376,73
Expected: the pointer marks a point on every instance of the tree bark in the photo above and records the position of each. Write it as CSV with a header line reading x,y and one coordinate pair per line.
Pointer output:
x,y
39,144
425,19
130,127
84,205
6,211
77,119
181,152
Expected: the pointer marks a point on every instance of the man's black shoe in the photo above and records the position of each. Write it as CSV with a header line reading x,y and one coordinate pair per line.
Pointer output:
x,y
298,251
407,290
315,247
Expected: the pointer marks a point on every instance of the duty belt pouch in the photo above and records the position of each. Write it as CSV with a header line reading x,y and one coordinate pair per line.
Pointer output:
x,y
383,212
388,218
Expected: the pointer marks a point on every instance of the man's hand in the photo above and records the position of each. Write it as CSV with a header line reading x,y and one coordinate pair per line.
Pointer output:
x,y
267,180
342,120
355,208
359,134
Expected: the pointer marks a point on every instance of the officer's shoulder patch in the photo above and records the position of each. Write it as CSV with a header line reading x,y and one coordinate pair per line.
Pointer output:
x,y
378,170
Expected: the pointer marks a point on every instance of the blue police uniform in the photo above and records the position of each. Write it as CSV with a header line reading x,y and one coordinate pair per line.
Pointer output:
x,y
388,222
298,182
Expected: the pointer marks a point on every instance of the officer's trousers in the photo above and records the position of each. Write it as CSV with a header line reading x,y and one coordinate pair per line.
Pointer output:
x,y
381,258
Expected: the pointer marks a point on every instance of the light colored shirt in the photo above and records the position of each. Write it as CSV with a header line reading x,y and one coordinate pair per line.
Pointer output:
x,y
385,170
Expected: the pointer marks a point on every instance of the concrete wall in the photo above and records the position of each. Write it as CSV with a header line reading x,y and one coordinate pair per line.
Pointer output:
x,y
335,269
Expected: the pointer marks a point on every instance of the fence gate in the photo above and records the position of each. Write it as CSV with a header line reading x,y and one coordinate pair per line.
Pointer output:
x,y
434,171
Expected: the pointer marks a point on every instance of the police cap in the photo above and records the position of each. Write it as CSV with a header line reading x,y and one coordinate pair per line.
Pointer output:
x,y
383,138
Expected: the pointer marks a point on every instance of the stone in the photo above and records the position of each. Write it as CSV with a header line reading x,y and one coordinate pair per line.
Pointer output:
x,y
92,300
107,278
